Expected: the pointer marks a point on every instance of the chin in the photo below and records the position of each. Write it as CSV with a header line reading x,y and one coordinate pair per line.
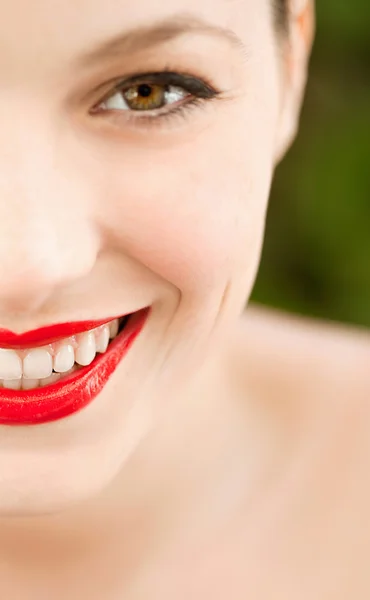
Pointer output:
x,y
37,497
53,473
52,482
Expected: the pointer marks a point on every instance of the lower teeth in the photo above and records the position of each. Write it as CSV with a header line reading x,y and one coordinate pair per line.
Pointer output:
x,y
30,384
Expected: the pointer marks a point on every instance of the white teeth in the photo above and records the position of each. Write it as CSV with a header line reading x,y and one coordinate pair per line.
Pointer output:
x,y
64,359
37,364
102,339
74,368
113,328
29,384
86,350
31,368
54,377
10,365
12,384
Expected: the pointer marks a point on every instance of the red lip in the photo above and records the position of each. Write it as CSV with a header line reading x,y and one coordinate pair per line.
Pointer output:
x,y
74,392
46,335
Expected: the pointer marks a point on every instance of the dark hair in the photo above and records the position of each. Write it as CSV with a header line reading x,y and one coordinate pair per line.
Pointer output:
x,y
280,8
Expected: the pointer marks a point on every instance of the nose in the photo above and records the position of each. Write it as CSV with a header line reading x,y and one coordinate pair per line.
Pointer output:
x,y
47,241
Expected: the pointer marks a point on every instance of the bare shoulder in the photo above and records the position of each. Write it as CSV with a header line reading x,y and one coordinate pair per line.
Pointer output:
x,y
276,352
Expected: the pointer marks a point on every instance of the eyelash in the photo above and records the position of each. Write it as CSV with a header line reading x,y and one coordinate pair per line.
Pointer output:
x,y
200,93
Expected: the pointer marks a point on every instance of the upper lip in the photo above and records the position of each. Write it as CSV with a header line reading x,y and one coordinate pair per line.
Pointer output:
x,y
48,334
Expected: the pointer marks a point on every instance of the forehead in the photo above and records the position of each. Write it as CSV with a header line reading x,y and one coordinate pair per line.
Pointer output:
x,y
44,31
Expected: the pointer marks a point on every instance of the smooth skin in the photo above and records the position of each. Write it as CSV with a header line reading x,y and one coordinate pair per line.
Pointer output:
x,y
228,456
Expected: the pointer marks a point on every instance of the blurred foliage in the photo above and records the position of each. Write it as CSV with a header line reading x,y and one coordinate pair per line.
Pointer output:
x,y
316,259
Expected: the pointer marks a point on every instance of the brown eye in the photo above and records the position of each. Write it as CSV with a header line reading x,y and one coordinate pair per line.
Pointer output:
x,y
156,97
144,97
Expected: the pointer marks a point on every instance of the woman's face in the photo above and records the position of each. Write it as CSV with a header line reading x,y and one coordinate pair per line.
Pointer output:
x,y
105,211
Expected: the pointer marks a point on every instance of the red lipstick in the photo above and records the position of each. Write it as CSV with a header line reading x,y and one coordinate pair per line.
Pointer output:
x,y
73,392
46,335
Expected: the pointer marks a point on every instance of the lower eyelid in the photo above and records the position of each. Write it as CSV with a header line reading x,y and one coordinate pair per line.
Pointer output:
x,y
150,120
197,94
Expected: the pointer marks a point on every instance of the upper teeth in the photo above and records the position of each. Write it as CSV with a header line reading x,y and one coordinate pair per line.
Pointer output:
x,y
24,368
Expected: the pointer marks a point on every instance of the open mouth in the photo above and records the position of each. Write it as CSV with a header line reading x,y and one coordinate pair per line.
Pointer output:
x,y
42,382
27,369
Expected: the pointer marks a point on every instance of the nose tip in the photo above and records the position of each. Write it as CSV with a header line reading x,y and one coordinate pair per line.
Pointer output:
x,y
39,259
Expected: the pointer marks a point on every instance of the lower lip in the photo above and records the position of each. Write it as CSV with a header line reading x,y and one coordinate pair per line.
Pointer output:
x,y
74,392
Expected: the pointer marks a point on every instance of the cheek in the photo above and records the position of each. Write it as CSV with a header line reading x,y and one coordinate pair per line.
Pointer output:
x,y
193,213
188,222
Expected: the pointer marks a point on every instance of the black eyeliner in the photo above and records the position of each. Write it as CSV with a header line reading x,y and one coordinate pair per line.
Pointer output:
x,y
166,78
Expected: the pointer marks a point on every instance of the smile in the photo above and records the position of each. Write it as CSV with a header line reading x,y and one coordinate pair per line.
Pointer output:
x,y
51,373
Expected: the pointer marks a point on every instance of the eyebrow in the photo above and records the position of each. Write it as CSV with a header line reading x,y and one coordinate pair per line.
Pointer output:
x,y
149,36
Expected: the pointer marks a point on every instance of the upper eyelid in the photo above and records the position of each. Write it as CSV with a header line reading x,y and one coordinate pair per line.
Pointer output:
x,y
190,83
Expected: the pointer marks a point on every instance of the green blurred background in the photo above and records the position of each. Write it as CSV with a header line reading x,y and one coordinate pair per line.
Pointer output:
x,y
316,259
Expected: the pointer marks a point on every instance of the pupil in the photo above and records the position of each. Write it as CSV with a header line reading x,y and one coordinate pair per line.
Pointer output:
x,y
145,90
